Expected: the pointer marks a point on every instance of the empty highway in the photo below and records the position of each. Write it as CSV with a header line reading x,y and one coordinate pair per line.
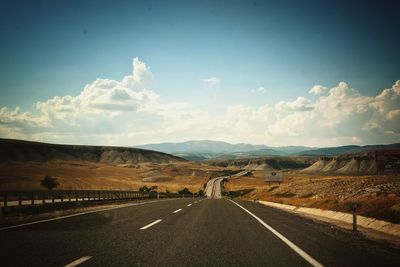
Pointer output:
x,y
189,232
213,187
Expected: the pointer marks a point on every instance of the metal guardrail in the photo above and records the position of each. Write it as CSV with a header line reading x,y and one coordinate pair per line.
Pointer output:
x,y
40,197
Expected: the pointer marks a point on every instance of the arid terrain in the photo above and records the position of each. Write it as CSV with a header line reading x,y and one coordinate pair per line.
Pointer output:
x,y
91,175
23,164
334,183
376,195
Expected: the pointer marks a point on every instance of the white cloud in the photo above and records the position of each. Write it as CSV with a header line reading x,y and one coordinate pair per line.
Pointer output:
x,y
300,104
17,118
126,113
212,81
393,114
259,90
104,97
356,140
291,125
318,89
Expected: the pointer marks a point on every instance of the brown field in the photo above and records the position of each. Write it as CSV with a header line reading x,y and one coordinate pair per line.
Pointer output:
x,y
376,196
102,176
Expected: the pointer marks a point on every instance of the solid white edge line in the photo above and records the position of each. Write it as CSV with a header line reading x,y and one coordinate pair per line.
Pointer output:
x,y
177,211
150,224
78,261
294,247
81,213
189,205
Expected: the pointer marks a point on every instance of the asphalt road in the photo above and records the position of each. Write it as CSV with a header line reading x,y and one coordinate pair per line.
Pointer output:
x,y
189,232
213,187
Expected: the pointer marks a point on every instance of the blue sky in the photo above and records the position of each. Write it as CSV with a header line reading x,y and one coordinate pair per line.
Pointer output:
x,y
55,48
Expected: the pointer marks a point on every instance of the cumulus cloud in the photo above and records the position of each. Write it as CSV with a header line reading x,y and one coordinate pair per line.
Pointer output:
x,y
104,97
300,104
125,112
17,118
318,89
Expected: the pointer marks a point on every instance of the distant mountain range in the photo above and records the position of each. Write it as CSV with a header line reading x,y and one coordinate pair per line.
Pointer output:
x,y
208,149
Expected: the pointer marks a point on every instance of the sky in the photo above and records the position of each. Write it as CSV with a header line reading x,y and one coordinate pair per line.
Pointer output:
x,y
314,73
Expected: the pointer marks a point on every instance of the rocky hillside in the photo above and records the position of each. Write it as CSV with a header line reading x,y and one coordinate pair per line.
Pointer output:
x,y
266,163
343,166
17,150
378,161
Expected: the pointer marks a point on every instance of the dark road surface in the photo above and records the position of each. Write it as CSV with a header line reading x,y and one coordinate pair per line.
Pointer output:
x,y
207,233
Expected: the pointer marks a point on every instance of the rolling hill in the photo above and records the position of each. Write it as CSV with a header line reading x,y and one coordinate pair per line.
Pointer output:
x,y
17,150
352,149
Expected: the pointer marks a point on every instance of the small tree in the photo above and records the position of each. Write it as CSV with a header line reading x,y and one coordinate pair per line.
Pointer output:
x,y
184,191
49,182
144,189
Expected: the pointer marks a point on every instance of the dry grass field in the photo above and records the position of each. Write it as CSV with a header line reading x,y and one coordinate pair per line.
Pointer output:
x,y
91,175
376,196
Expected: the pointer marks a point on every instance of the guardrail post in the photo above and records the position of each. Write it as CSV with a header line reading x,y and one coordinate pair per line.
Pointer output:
x,y
52,196
19,199
5,200
62,196
354,217
43,197
32,198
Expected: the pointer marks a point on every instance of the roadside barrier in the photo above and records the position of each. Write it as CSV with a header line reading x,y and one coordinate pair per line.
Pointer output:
x,y
41,197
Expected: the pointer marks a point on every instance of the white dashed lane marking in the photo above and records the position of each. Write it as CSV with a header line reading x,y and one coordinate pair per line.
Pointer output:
x,y
150,224
78,261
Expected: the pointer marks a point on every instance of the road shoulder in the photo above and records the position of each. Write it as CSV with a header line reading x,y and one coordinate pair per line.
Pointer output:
x,y
371,228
